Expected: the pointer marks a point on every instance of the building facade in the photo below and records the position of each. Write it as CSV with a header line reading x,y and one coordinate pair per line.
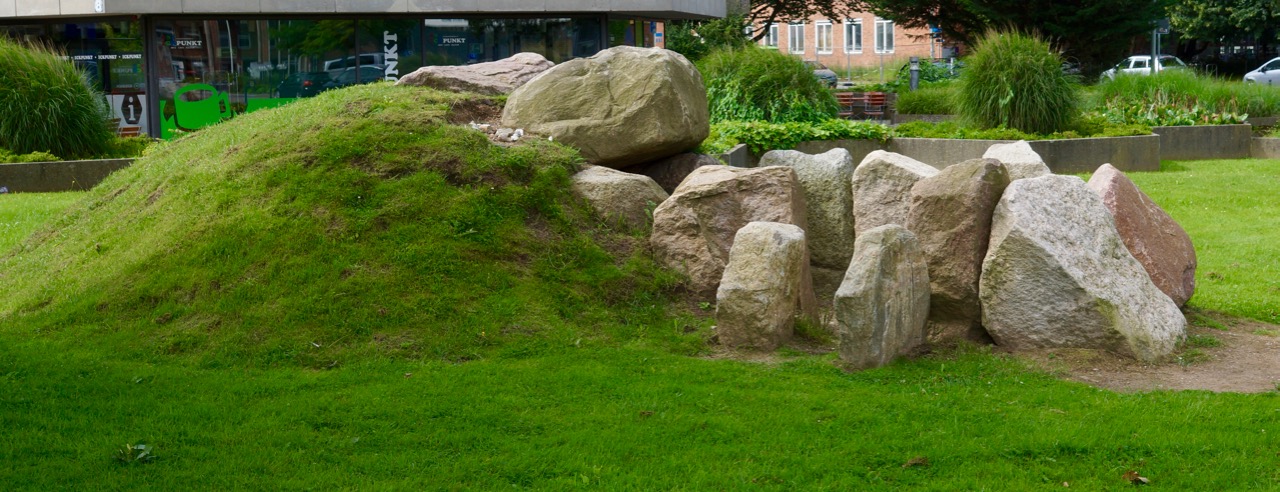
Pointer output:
x,y
860,40
168,66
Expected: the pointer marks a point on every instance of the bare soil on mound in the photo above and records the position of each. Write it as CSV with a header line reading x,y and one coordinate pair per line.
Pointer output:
x,y
1247,360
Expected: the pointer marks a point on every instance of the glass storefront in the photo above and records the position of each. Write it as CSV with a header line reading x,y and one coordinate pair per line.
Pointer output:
x,y
203,71
111,54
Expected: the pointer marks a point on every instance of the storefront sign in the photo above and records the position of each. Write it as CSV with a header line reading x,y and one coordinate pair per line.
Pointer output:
x,y
448,40
391,55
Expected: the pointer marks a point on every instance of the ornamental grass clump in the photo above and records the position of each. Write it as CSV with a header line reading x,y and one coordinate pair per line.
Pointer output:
x,y
1015,80
47,105
754,84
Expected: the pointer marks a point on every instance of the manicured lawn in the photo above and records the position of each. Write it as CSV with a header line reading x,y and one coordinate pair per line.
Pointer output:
x,y
623,412
1232,211
22,213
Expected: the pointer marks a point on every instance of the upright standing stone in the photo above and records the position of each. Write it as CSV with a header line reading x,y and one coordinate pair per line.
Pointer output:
x,y
951,215
693,230
882,189
1058,275
1019,159
765,286
1154,238
882,306
826,180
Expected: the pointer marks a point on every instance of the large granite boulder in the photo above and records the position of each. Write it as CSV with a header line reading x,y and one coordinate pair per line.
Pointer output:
x,y
765,287
1057,274
668,172
826,180
1152,236
490,78
619,197
1019,159
882,189
623,106
882,306
694,229
951,215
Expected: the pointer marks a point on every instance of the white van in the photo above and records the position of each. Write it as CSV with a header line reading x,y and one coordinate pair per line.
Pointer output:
x,y
338,65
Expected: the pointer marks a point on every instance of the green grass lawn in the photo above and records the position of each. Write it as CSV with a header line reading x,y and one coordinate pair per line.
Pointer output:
x,y
252,351
22,213
1232,211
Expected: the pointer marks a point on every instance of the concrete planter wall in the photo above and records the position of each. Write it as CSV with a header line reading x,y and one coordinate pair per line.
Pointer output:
x,y
30,177
1265,148
1188,143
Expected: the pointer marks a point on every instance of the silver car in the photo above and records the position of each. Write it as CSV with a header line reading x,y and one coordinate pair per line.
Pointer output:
x,y
1268,73
1141,65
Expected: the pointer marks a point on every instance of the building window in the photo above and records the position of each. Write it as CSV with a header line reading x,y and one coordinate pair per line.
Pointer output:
x,y
884,36
771,39
853,35
795,37
822,31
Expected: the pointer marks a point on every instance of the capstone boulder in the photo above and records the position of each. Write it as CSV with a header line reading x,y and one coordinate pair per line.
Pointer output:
x,y
1150,234
882,189
883,303
826,180
765,287
1057,274
489,78
620,107
694,229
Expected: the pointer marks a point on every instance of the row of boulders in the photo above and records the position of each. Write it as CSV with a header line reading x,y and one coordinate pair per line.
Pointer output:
x,y
1030,261
989,249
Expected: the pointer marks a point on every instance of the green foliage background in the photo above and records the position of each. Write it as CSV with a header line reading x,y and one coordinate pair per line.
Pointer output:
x,y
754,84
47,105
1015,80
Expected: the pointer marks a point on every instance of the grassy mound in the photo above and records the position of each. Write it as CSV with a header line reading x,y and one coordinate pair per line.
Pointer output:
x,y
358,223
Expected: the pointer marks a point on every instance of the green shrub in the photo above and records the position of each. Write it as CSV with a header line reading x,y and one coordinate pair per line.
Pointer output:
x,y
1015,80
753,84
761,137
1212,94
46,104
1086,126
928,99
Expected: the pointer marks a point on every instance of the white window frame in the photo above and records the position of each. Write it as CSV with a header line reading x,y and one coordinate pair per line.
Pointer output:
x,y
770,40
795,30
884,35
823,37
853,35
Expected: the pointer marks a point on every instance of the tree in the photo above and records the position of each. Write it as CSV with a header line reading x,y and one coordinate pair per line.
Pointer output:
x,y
1213,20
767,12
1095,32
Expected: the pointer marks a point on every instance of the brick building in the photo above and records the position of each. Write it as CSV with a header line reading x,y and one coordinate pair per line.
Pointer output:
x,y
862,40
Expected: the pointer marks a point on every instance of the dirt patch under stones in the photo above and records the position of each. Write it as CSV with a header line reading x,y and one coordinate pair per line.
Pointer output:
x,y
1247,360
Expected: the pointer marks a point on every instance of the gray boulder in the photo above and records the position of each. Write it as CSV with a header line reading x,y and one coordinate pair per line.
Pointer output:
x,y
621,107
826,180
765,287
490,78
1021,161
668,172
1057,274
951,215
1161,245
619,197
882,188
694,229
882,306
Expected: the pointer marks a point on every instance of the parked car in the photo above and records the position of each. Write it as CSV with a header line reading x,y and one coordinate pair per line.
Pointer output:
x,y
302,84
823,73
356,75
1268,73
1141,65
